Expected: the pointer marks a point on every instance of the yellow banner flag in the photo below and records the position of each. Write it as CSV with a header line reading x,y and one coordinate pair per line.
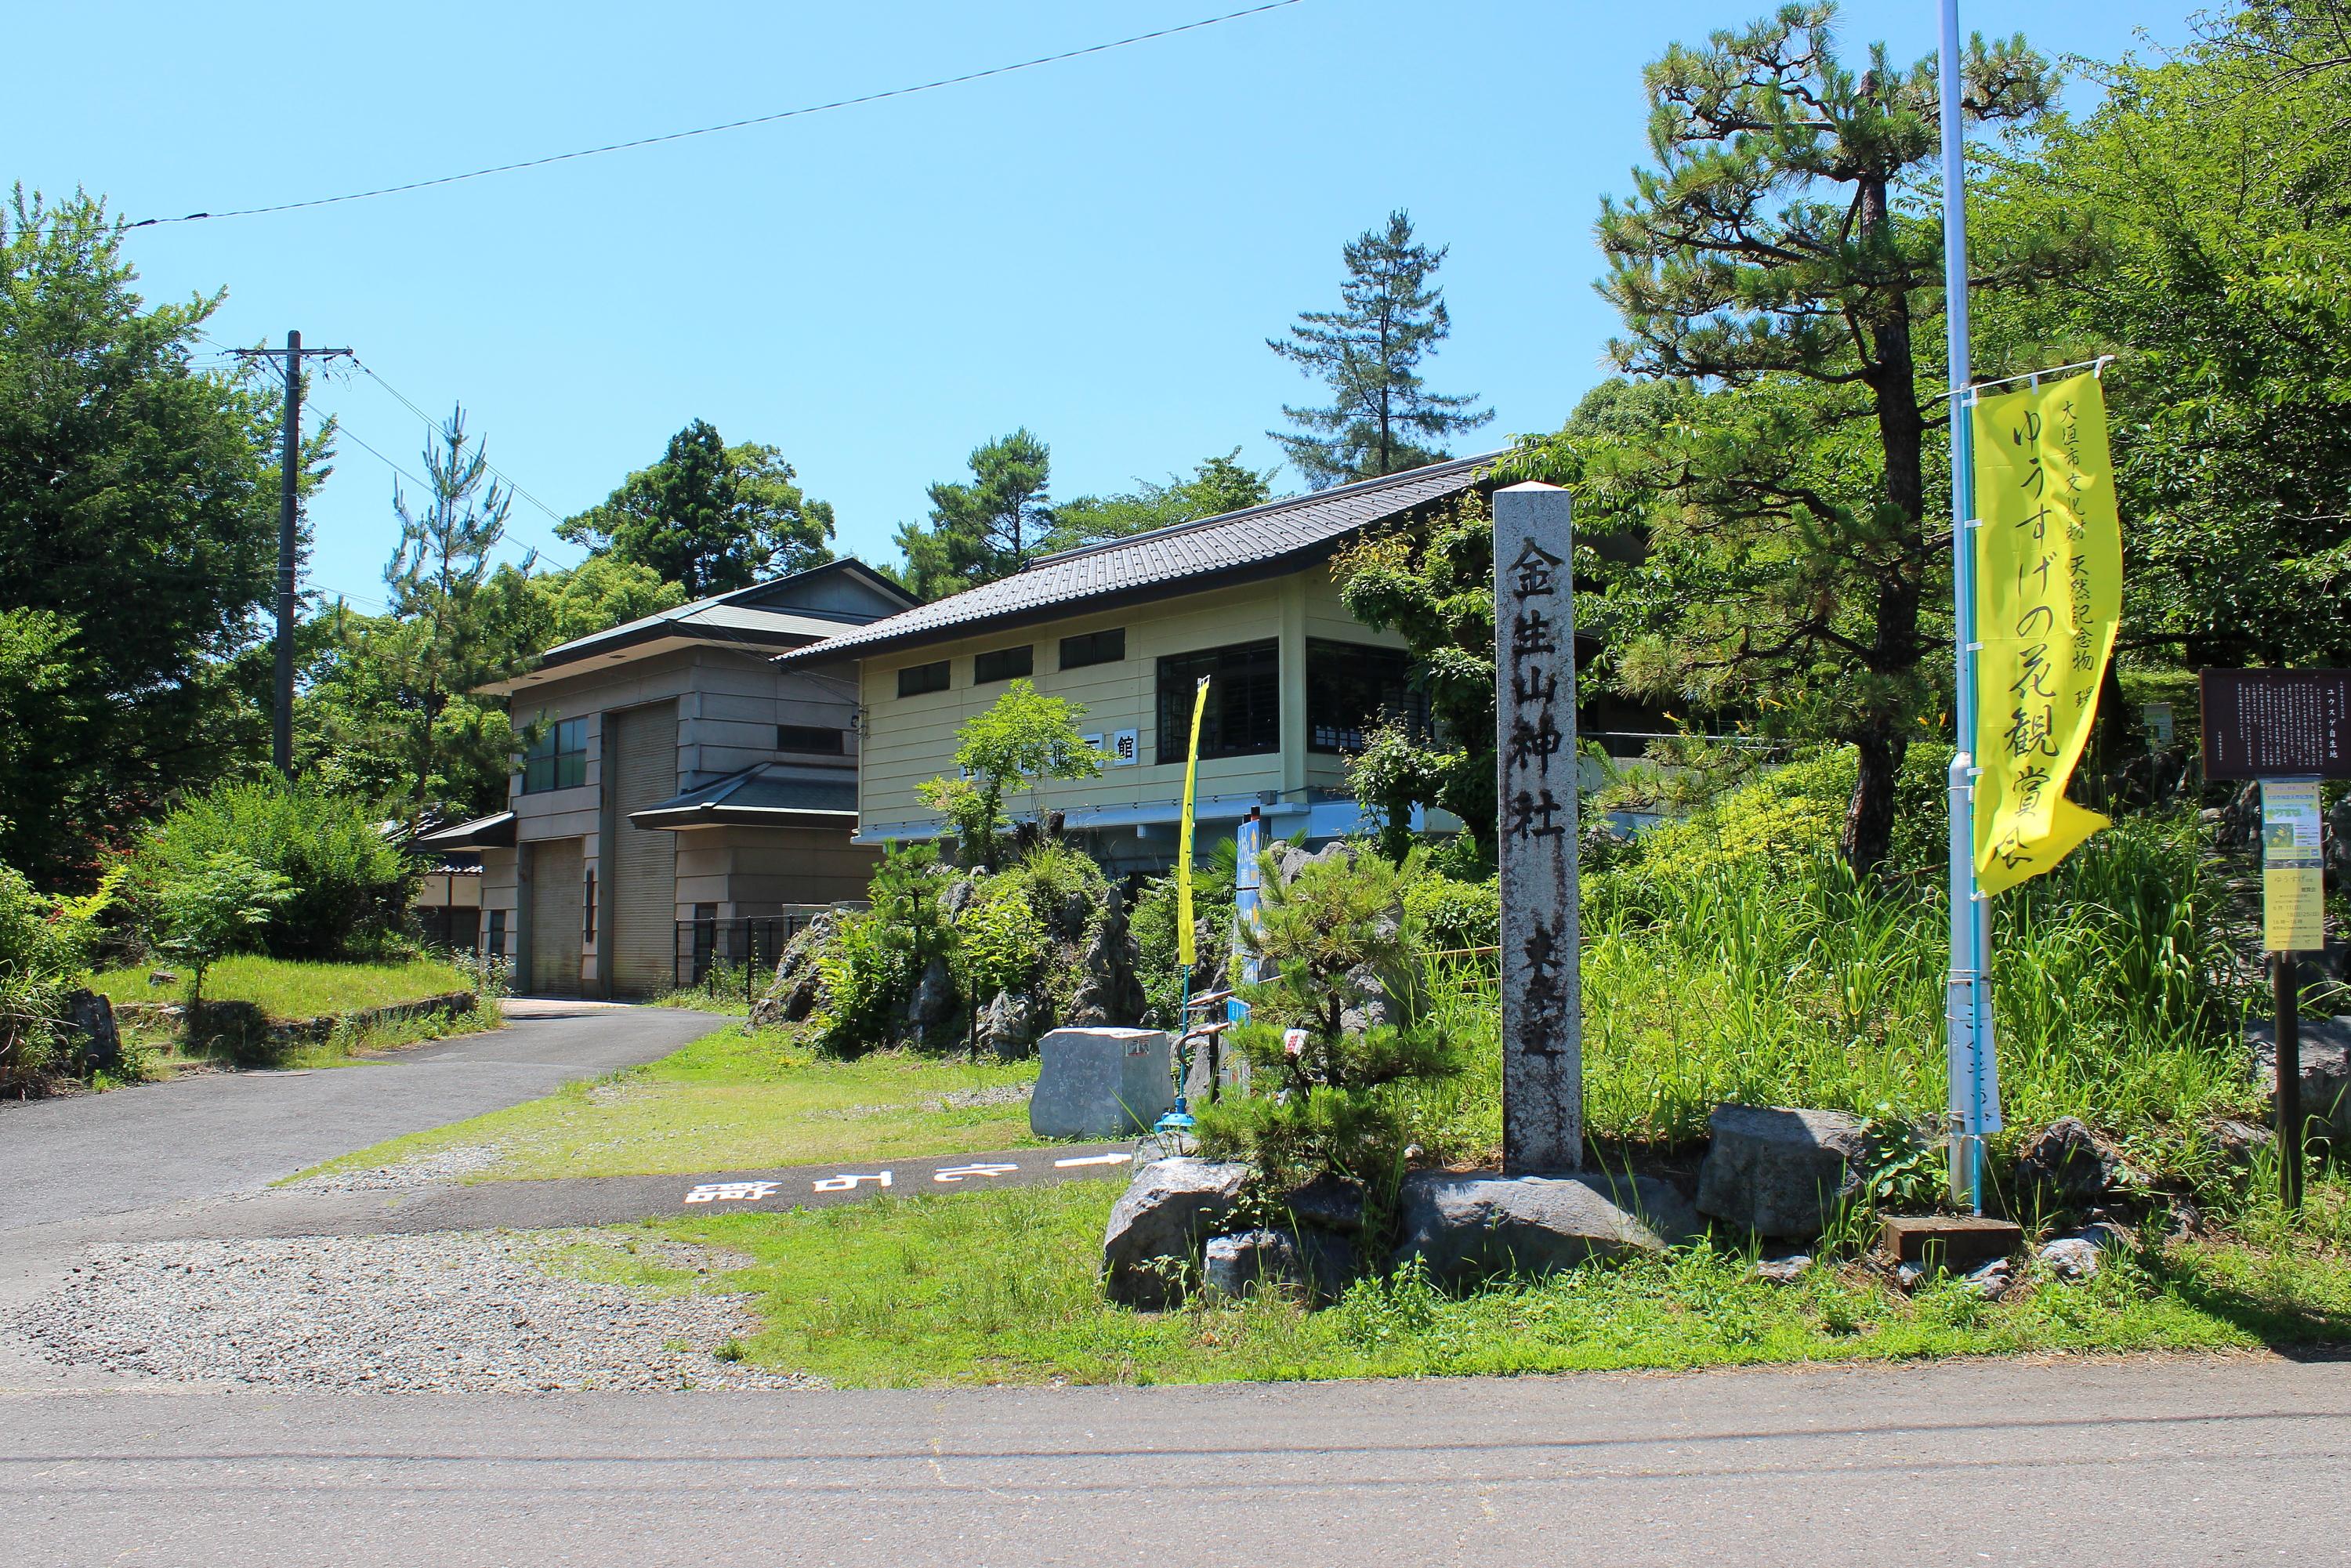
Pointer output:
x,y
2049,592
1184,940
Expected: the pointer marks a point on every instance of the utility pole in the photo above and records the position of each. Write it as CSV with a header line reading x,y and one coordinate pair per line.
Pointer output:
x,y
290,500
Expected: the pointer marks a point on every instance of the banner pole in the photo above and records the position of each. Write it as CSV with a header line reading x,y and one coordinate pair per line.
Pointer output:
x,y
1968,1005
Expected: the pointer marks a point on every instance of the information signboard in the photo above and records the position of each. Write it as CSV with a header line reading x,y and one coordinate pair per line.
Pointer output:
x,y
2277,724
2294,881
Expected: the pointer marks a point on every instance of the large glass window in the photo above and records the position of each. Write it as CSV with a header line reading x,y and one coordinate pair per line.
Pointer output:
x,y
1244,713
1003,664
811,738
1350,690
916,679
557,759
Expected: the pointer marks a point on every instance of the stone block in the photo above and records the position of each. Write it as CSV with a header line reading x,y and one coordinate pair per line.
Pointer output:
x,y
2325,1069
1962,1243
1101,1082
1464,1228
1781,1173
1156,1227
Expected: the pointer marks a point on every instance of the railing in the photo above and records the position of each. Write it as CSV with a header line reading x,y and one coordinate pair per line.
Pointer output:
x,y
721,954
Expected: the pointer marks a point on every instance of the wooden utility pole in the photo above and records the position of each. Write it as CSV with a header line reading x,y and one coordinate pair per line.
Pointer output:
x,y
289,504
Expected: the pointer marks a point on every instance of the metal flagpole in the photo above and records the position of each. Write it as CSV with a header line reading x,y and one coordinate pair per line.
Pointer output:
x,y
1967,1008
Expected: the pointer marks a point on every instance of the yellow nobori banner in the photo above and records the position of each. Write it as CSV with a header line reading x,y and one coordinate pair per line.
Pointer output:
x,y
1185,939
2049,591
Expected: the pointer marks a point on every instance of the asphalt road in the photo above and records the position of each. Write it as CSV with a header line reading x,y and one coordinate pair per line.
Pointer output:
x,y
2150,1462
228,1133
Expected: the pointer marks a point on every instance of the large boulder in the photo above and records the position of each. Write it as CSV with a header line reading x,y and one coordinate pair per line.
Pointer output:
x,y
1008,1025
2067,1165
794,992
1156,1230
96,1043
1108,991
1465,1228
1780,1172
1101,1082
1314,1263
2325,1069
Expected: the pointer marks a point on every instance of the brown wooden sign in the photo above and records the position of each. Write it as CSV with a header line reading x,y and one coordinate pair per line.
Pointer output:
x,y
2277,724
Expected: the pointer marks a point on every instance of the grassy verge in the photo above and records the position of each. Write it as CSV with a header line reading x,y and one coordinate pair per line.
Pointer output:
x,y
289,991
736,1100
999,1288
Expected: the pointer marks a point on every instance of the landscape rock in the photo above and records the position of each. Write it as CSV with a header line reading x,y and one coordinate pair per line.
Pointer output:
x,y
2239,1141
933,1001
1158,1224
2325,1068
1318,1264
1101,1082
2070,1257
96,1043
792,995
1785,1269
1108,991
2068,1164
1007,1025
1327,1203
1993,1280
1463,1227
1782,1173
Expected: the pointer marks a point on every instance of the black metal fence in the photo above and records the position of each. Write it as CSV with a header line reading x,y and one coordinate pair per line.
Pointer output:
x,y
724,956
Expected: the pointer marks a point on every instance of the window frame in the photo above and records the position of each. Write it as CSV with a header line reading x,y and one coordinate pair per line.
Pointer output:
x,y
1414,704
1175,676
557,759
1022,654
944,668
839,747
1117,634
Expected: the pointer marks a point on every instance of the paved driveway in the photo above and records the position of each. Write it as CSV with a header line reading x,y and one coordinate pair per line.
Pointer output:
x,y
234,1132
2151,1463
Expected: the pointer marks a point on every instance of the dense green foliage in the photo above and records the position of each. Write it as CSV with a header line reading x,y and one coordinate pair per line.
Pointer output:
x,y
45,946
138,523
204,907
1382,418
1220,485
987,528
709,517
350,881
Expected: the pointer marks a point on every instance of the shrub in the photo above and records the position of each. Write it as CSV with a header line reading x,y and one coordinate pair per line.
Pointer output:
x,y
205,911
876,958
43,948
998,943
349,883
1442,914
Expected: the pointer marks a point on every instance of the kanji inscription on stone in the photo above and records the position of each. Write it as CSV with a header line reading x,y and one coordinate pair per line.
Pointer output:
x,y
1534,691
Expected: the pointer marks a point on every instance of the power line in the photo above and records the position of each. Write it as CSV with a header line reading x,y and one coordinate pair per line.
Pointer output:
x,y
730,125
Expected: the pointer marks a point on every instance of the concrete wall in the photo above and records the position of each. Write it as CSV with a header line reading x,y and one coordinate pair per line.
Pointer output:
x,y
909,739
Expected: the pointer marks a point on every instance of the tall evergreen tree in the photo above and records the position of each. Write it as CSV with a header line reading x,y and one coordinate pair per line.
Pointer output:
x,y
1220,484
984,530
1382,416
709,517
1781,266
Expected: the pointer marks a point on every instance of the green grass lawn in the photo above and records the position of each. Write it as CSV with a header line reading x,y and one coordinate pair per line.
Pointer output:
x,y
737,1101
999,1288
289,990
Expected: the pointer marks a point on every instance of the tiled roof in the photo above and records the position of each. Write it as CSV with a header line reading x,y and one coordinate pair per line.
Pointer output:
x,y
496,831
1236,544
763,792
743,611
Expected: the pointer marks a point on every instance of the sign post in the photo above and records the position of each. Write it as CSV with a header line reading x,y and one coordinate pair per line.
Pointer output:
x,y
2290,730
1534,703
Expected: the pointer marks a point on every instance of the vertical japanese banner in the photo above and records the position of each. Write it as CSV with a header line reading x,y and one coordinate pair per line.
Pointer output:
x,y
2293,877
1248,843
1534,701
1187,952
2049,577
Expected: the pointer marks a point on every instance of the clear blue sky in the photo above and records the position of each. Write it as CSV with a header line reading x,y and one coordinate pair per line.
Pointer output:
x,y
1096,249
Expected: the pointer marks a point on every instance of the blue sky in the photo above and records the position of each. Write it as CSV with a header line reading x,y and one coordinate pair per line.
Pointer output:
x,y
1096,249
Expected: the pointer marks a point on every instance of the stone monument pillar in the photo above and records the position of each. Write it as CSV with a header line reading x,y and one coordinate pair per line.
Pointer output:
x,y
1534,680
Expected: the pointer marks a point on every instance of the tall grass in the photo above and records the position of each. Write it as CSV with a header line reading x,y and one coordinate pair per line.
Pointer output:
x,y
1789,982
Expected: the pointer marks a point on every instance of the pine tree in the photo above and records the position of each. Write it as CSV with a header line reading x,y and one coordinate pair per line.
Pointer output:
x,y
985,529
1382,415
709,517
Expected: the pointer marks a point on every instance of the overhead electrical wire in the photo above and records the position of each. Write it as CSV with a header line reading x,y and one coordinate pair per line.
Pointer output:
x,y
729,125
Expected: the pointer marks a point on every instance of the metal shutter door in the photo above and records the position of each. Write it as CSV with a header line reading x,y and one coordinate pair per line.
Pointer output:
x,y
555,912
644,940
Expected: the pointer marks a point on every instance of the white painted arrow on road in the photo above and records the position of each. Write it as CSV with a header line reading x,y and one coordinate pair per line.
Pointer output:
x,y
1093,1160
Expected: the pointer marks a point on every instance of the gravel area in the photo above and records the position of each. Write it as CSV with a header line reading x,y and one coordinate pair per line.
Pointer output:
x,y
477,1310
441,1169
978,1099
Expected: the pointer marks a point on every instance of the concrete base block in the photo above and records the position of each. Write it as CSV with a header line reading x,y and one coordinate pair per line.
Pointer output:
x,y
1101,1082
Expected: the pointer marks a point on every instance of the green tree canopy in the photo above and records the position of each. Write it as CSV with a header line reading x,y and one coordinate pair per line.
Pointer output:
x,y
984,528
138,513
1382,418
709,517
1220,485
1780,268
1022,735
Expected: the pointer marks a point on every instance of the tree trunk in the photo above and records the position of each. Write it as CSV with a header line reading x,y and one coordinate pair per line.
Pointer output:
x,y
1868,837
